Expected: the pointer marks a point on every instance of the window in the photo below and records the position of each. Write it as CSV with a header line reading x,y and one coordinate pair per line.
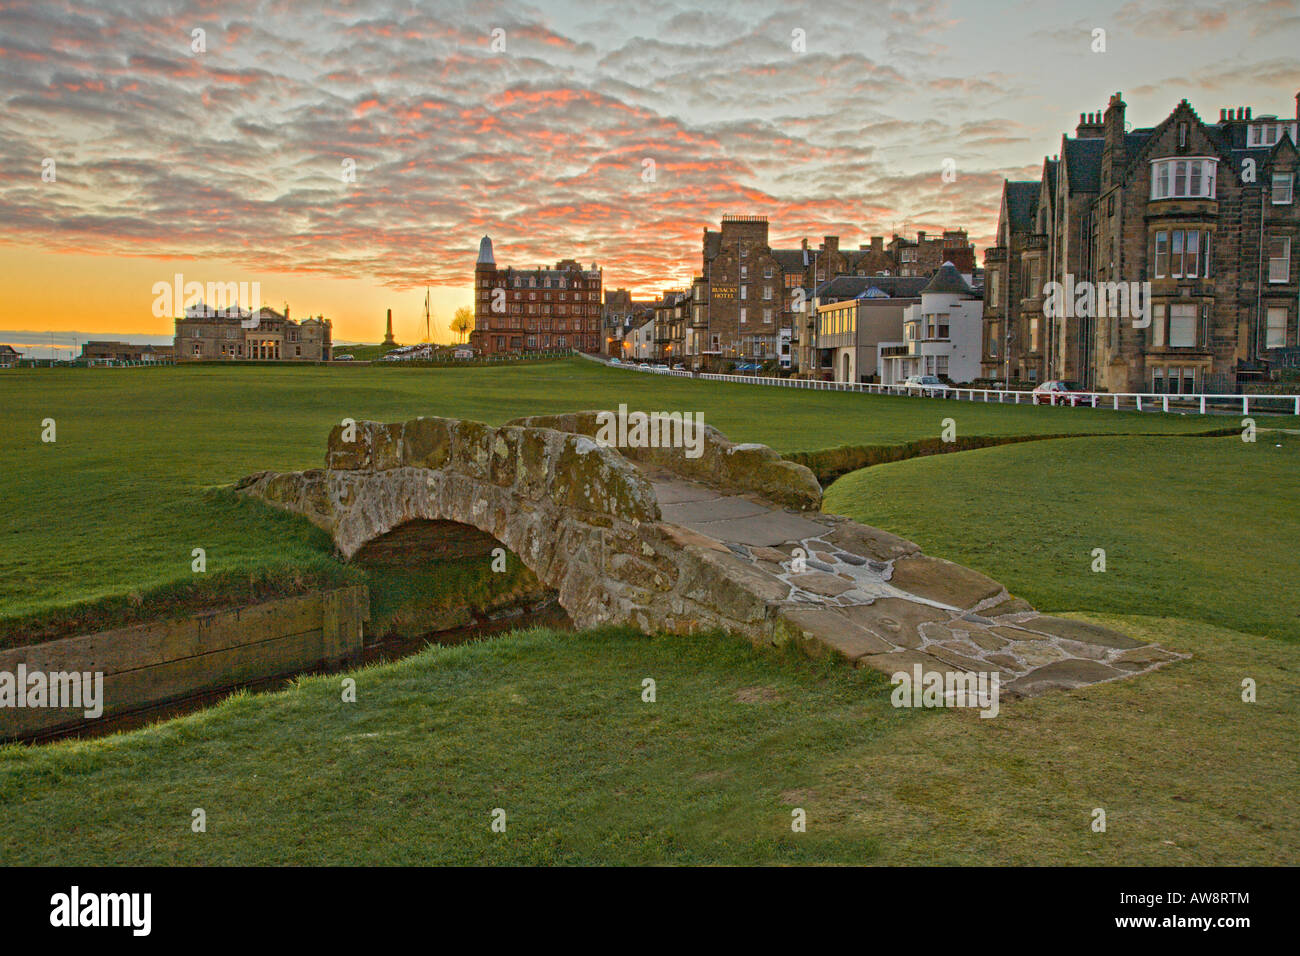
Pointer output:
x,y
767,292
1279,259
742,311
744,292
1182,135
1266,134
1282,183
941,365
1158,326
993,288
767,272
1182,253
1275,328
767,315
1183,178
1182,326
744,272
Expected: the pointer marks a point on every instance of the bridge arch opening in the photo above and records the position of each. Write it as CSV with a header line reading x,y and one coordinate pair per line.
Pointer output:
x,y
449,582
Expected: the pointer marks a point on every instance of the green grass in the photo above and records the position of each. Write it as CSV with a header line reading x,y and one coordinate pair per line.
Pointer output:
x,y
1199,534
115,507
552,729
1202,529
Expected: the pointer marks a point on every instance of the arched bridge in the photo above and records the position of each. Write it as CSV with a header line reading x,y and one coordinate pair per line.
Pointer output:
x,y
731,538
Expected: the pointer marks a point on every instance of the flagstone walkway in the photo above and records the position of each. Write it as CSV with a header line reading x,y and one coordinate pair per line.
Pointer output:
x,y
876,600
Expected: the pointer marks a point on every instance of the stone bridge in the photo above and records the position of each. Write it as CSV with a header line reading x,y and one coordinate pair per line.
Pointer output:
x,y
732,539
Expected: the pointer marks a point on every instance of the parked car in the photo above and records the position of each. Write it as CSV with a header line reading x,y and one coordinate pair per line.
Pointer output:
x,y
644,365
345,357
679,367
615,361
1064,392
929,385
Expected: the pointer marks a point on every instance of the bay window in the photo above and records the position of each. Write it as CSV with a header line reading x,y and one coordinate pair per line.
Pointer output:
x,y
1183,178
1182,253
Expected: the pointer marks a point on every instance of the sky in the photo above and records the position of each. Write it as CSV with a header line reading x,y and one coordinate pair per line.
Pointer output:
x,y
348,158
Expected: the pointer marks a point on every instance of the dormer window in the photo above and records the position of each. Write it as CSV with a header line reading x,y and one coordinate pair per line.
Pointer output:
x,y
1183,178
1266,134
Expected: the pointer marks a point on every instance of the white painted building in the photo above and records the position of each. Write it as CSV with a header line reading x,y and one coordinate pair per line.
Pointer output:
x,y
643,342
941,336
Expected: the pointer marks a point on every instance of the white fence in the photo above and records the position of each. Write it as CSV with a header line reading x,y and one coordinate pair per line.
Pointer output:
x,y
1135,401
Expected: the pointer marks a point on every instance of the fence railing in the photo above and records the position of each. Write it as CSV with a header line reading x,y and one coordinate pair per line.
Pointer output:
x,y
1117,401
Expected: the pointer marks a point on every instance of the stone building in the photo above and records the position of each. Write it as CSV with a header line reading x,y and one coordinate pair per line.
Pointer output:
x,y
523,310
122,353
1201,215
752,303
622,313
265,335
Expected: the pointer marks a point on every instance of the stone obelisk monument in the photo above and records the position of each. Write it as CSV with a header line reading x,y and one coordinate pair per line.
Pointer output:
x,y
388,336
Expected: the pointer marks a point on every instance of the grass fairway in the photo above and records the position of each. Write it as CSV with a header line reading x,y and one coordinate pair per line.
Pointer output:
x,y
116,505
552,729
1199,535
1201,529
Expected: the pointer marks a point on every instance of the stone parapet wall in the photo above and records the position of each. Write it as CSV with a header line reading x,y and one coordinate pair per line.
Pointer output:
x,y
723,464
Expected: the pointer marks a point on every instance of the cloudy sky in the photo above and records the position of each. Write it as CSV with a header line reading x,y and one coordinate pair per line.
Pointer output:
x,y
540,124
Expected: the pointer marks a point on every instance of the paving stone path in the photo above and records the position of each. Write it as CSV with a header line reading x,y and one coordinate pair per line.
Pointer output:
x,y
876,600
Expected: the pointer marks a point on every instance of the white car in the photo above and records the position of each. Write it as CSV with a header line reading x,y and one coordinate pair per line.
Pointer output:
x,y
929,385
644,365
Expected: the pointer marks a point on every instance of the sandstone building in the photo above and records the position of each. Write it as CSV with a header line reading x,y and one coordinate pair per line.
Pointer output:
x,y
1204,212
751,302
521,310
266,335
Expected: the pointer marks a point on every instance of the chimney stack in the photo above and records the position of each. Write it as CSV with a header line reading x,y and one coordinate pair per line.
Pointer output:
x,y
1247,112
1089,126
878,244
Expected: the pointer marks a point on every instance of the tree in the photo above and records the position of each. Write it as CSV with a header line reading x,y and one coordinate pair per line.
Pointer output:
x,y
463,321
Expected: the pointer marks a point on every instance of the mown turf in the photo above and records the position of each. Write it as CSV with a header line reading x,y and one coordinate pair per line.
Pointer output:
x,y
116,505
1203,529
553,730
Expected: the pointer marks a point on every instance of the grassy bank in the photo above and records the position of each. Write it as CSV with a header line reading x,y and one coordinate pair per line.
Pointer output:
x,y
553,730
1201,529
